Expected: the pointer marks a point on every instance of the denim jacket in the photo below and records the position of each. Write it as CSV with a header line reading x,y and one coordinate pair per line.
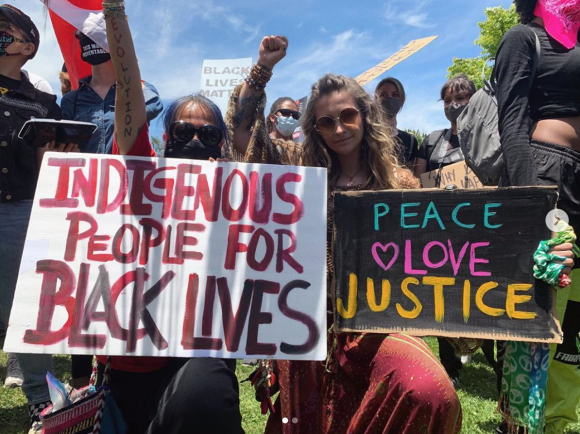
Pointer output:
x,y
18,161
85,105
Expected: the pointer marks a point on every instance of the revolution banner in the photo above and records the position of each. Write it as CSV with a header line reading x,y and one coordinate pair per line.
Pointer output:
x,y
452,263
169,257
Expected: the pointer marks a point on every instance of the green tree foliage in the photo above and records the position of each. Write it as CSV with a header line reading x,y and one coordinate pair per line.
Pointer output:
x,y
158,145
419,135
498,22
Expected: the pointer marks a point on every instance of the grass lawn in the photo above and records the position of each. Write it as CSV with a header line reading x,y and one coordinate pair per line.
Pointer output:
x,y
477,395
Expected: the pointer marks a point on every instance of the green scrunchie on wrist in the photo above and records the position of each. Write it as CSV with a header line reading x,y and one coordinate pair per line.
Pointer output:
x,y
547,270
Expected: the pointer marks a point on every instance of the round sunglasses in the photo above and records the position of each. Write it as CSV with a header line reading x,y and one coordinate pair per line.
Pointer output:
x,y
287,113
326,125
183,131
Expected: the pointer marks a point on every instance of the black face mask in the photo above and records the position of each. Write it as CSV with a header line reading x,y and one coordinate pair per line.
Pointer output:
x,y
452,111
392,106
193,150
92,53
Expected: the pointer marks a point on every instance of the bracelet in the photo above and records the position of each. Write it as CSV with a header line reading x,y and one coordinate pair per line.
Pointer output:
x,y
258,77
113,14
114,6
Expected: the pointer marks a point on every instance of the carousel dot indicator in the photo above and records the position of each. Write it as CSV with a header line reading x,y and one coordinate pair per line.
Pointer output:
x,y
284,420
294,420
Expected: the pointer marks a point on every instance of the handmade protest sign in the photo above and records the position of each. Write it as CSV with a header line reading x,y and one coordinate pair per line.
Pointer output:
x,y
168,257
458,174
405,52
448,263
220,77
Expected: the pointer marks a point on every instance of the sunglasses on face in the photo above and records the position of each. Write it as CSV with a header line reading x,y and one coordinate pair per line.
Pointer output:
x,y
326,125
287,113
183,131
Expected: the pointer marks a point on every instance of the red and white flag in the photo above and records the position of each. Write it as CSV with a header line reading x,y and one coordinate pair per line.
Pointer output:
x,y
69,15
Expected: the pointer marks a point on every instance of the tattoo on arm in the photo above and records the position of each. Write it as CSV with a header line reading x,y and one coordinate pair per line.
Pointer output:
x,y
247,107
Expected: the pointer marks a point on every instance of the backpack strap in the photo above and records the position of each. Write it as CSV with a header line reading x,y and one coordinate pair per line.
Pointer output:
x,y
490,85
435,137
537,54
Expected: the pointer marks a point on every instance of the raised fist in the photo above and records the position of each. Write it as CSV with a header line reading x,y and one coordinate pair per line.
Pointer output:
x,y
272,50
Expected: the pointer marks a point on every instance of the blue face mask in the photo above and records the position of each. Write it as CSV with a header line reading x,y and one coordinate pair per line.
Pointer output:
x,y
286,125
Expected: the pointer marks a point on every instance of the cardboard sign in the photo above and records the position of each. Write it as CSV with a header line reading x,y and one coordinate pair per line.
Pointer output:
x,y
220,77
445,263
170,257
458,174
405,52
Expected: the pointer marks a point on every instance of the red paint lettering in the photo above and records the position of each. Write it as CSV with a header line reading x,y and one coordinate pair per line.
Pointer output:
x,y
52,272
61,199
263,196
86,187
301,317
298,212
258,317
235,215
182,191
136,205
209,201
103,204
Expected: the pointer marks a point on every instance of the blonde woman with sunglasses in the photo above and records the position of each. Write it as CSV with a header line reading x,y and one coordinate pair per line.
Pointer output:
x,y
370,383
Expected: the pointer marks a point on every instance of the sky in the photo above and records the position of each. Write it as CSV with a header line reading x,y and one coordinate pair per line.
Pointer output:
x,y
173,37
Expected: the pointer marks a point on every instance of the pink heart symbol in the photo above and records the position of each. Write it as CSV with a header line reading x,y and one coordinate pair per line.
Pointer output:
x,y
384,248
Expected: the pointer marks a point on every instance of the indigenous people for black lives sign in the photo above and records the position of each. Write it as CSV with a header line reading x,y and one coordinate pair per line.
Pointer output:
x,y
446,263
167,257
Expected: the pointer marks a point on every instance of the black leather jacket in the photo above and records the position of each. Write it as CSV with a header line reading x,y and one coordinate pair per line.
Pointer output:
x,y
18,163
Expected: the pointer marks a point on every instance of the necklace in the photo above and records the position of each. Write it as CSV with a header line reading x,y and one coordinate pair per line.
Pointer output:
x,y
352,178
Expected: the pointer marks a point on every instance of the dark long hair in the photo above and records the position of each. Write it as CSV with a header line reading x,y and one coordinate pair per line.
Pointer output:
x,y
525,10
173,110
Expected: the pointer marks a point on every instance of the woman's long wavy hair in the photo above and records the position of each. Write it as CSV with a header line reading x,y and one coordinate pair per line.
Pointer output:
x,y
525,10
377,147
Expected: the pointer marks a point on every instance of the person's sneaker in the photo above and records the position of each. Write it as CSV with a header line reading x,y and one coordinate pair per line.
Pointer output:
x,y
36,428
13,372
34,411
465,360
502,428
455,381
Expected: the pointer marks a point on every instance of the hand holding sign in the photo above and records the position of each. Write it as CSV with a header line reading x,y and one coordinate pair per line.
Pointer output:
x,y
272,50
564,250
53,147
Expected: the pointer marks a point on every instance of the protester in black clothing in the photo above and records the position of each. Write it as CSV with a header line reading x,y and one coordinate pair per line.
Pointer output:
x,y
19,165
539,125
441,148
391,93
159,395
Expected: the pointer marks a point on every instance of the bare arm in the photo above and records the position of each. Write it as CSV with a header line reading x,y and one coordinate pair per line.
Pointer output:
x,y
272,50
130,113
420,167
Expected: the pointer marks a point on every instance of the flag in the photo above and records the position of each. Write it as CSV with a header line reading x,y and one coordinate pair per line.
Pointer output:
x,y
69,15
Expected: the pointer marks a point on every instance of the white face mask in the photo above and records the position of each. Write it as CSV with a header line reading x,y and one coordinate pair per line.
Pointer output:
x,y
286,125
